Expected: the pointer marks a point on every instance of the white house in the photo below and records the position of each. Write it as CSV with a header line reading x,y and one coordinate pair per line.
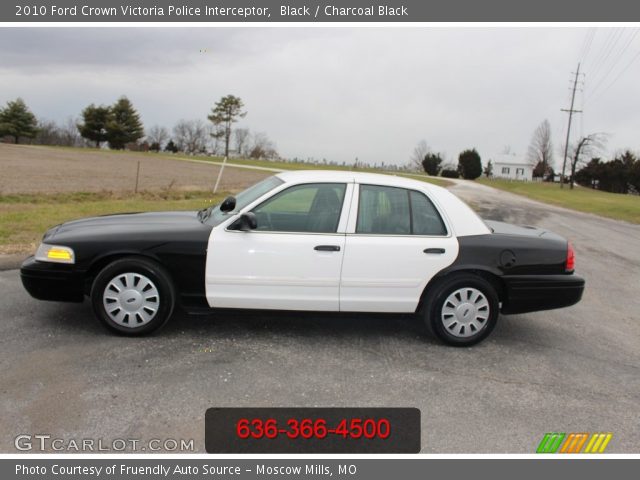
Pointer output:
x,y
511,167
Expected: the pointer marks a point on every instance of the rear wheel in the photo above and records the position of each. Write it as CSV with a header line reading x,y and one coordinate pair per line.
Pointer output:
x,y
462,310
133,296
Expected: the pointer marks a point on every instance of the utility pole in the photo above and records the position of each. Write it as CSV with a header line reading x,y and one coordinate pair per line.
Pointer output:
x,y
571,112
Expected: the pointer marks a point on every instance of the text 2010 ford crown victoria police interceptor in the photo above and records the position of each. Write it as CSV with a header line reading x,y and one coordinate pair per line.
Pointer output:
x,y
310,240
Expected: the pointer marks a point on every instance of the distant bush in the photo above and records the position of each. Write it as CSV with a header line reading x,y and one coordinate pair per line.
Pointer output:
x,y
450,173
431,163
470,164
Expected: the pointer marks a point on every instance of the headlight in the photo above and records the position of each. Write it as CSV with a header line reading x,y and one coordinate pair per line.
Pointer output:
x,y
55,253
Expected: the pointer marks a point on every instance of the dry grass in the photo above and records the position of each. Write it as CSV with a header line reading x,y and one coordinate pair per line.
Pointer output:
x,y
34,169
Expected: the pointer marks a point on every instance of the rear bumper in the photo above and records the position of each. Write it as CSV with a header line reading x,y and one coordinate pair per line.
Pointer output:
x,y
52,281
532,293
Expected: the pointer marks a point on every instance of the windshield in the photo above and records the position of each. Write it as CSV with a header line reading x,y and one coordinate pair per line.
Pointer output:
x,y
213,215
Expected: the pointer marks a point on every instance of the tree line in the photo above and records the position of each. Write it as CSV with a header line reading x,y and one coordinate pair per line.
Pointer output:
x,y
583,165
620,175
469,164
119,126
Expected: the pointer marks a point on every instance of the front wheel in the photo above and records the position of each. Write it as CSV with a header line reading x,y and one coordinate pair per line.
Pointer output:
x,y
133,296
462,310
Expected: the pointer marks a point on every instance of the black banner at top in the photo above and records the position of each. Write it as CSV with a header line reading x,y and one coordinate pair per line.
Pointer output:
x,y
275,11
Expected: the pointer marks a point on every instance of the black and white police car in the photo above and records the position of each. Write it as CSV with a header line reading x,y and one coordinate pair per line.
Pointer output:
x,y
310,240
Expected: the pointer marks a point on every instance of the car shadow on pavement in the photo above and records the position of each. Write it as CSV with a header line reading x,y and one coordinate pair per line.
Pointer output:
x,y
264,324
79,319
259,322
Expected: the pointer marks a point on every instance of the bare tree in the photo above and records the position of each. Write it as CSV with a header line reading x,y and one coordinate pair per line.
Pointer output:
x,y
241,136
70,135
157,136
419,152
191,136
64,134
587,147
262,147
540,152
48,133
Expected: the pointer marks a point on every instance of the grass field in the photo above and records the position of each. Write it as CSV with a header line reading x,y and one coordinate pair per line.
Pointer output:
x,y
250,162
25,218
37,169
611,205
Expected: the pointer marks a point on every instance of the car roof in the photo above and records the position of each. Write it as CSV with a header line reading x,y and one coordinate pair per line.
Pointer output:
x,y
303,176
462,218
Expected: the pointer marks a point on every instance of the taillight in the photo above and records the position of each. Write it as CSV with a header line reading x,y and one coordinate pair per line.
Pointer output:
x,y
570,264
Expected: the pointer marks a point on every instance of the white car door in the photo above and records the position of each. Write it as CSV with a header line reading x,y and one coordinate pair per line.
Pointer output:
x,y
292,259
396,242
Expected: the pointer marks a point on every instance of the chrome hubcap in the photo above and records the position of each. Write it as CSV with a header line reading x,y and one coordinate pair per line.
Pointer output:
x,y
465,312
131,300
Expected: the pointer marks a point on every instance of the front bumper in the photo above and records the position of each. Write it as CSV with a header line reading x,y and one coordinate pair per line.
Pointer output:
x,y
52,281
532,293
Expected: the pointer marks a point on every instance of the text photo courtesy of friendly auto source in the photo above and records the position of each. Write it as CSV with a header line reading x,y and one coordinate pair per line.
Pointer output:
x,y
198,224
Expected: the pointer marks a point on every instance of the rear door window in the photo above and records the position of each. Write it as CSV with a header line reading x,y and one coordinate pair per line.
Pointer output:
x,y
397,211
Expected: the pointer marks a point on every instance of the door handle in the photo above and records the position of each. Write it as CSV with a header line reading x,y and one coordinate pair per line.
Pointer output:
x,y
438,251
327,248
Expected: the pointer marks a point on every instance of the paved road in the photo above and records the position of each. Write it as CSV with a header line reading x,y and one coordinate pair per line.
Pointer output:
x,y
573,370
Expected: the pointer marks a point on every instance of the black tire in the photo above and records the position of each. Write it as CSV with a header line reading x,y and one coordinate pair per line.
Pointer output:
x,y
133,323
446,325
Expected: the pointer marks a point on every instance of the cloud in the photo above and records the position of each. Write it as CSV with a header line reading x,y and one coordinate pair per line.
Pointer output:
x,y
335,93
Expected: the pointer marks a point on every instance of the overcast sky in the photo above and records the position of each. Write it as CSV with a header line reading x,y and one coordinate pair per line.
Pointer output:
x,y
341,93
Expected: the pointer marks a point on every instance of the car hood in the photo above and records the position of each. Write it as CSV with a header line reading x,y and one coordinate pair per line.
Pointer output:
x,y
128,219
126,224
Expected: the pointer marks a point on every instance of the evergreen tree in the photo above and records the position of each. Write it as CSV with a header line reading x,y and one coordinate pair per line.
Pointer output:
x,y
171,147
488,170
469,164
94,126
17,121
226,112
431,163
124,125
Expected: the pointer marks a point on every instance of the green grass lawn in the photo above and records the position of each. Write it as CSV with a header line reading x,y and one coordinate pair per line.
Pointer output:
x,y
612,205
25,218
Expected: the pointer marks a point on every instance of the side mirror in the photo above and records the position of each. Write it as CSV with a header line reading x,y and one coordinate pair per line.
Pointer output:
x,y
246,222
228,204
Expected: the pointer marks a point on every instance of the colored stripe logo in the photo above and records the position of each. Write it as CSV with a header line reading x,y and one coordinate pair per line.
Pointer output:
x,y
574,442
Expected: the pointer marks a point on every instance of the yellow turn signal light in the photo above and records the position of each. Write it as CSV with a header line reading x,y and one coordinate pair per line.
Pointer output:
x,y
59,254
55,253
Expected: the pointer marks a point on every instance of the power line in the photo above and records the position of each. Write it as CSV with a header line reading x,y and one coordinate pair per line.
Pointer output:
x,y
588,41
619,75
607,53
614,63
604,46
